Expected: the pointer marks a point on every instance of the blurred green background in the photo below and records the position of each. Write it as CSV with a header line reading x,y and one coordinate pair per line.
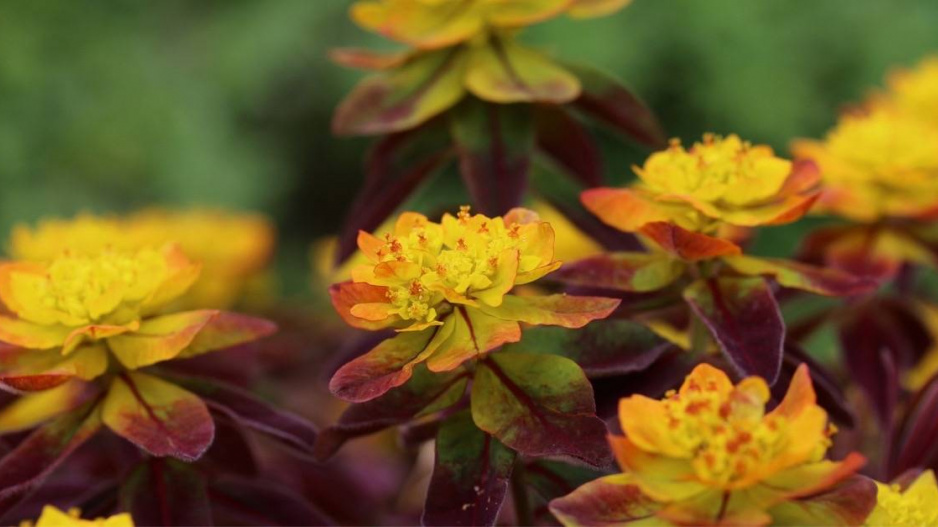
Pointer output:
x,y
112,105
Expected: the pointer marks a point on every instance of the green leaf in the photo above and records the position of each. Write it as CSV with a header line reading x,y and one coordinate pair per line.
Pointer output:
x,y
405,97
539,405
627,271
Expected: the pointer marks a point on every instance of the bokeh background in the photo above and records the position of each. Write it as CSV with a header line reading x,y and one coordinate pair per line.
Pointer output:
x,y
118,104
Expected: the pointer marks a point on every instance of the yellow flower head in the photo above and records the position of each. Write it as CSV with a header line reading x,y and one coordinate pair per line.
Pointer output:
x,y
878,164
913,506
233,248
76,296
915,91
445,287
712,438
432,24
53,517
718,182
464,259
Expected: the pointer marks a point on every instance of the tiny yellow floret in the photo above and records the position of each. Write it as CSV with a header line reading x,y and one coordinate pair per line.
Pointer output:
x,y
914,506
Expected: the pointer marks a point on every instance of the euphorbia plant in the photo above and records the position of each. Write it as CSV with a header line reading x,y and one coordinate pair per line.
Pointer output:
x,y
84,342
710,454
692,207
448,290
466,87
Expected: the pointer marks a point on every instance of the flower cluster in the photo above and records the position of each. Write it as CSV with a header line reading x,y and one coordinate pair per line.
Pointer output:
x,y
445,287
709,454
233,249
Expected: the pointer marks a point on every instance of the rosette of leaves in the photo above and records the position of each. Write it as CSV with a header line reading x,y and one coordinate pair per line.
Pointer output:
x,y
467,90
85,345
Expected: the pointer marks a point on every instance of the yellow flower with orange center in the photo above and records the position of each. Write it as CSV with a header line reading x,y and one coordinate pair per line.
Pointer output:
x,y
431,24
912,506
233,248
716,183
877,165
54,517
709,453
446,287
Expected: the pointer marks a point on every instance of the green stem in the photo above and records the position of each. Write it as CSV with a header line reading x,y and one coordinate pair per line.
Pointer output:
x,y
519,495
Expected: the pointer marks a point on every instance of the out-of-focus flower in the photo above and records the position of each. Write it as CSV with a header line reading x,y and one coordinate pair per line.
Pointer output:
x,y
914,91
432,24
717,182
445,287
72,311
912,506
53,517
233,248
709,454
875,165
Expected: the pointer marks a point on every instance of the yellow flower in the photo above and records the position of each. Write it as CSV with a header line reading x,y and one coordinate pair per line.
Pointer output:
x,y
72,312
710,450
915,91
431,24
876,165
914,506
716,183
53,517
445,286
233,248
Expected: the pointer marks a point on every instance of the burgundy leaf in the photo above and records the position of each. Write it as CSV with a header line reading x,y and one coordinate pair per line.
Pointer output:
x,y
869,346
240,501
28,464
602,348
424,393
915,444
566,141
246,409
394,168
604,98
744,319
165,492
495,143
470,476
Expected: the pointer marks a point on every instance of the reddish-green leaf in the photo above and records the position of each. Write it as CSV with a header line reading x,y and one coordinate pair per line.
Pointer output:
x,y
611,500
27,465
848,503
470,476
157,416
602,349
394,168
405,97
423,394
637,272
387,365
250,411
495,143
688,245
744,318
166,492
566,141
820,280
604,98
539,405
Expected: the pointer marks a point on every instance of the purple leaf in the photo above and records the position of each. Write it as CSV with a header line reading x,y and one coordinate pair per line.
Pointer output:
x,y
165,492
566,141
744,319
470,476
240,501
